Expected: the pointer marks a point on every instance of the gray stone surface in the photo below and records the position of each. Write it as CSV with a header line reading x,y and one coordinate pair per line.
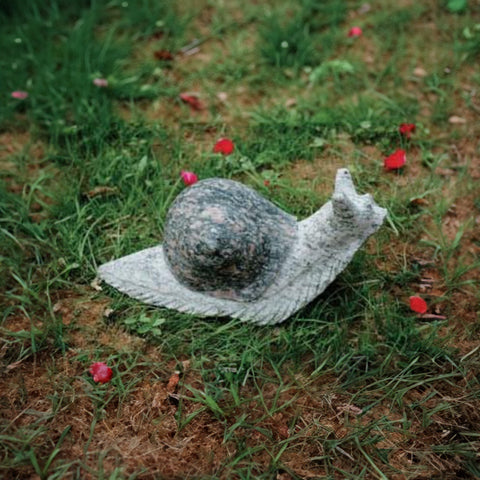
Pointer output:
x,y
230,252
224,239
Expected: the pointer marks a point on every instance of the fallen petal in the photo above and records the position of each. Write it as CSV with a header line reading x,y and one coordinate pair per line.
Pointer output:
x,y
101,372
100,82
418,304
355,32
189,178
19,94
192,100
224,146
396,160
406,129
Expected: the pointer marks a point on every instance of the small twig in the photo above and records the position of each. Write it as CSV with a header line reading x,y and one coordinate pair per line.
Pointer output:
x,y
192,51
422,262
196,42
427,280
431,316
341,450
471,352
472,105
193,44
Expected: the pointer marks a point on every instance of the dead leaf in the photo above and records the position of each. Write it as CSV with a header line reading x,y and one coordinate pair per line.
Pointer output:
x,y
185,365
427,280
101,191
364,8
422,262
192,100
455,120
420,72
14,365
368,58
173,382
164,55
282,430
419,201
444,172
158,399
348,407
95,284
291,102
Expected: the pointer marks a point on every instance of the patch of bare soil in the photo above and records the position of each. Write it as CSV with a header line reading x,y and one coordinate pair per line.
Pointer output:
x,y
19,143
22,163
138,430
43,396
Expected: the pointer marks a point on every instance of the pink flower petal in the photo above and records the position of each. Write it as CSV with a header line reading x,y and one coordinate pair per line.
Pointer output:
x,y
19,94
100,82
396,160
224,146
355,32
418,304
189,178
101,372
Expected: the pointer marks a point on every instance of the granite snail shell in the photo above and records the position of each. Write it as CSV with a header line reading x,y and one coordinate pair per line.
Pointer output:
x,y
224,239
228,251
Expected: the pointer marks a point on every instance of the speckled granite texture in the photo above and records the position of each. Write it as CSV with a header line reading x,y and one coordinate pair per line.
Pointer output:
x,y
229,252
226,240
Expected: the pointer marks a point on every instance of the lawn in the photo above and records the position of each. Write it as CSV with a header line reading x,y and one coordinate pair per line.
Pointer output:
x,y
104,104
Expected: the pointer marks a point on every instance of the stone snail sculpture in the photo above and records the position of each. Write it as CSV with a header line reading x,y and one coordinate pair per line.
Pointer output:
x,y
228,251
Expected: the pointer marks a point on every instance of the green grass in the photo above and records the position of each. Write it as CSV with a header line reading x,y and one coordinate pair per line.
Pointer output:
x,y
354,385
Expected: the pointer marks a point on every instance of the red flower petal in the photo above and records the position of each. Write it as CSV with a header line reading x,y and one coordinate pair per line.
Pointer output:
x,y
189,178
396,160
224,146
418,304
101,372
355,32
406,129
192,100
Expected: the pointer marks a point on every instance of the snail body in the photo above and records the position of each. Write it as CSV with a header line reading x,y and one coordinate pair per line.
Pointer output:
x,y
228,251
